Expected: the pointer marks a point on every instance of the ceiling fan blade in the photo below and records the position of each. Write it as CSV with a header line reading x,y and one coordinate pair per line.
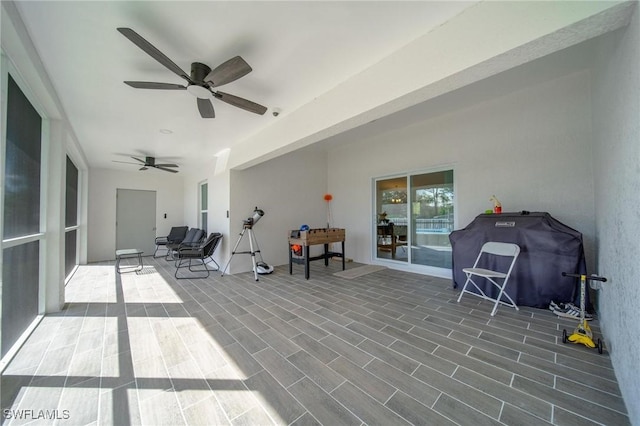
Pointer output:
x,y
143,168
137,159
165,169
206,108
152,51
152,85
227,72
241,103
167,165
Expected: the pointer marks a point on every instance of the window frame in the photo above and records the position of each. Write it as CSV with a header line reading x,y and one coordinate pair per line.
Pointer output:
x,y
203,211
76,227
7,68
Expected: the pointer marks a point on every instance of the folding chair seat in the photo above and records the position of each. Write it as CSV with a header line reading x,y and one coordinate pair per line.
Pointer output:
x,y
202,254
176,235
497,278
193,237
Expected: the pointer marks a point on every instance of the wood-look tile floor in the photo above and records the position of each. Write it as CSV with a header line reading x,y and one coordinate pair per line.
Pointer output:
x,y
387,348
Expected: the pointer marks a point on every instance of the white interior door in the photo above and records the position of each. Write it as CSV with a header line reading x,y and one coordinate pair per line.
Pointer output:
x,y
136,220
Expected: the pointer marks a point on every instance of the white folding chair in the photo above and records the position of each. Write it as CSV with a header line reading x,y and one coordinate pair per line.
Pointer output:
x,y
496,278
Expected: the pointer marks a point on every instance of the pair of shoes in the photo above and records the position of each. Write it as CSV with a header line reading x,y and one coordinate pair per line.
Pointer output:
x,y
568,310
553,306
574,308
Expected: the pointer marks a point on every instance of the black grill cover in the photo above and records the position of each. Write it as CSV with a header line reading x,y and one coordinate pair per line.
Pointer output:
x,y
547,248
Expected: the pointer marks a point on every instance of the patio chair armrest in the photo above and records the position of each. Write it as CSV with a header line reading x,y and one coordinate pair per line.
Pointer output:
x,y
190,251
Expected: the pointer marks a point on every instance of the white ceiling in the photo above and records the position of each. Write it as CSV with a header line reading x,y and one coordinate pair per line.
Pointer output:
x,y
298,50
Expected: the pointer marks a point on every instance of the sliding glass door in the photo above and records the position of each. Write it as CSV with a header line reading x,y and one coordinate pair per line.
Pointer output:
x,y
392,214
432,218
414,217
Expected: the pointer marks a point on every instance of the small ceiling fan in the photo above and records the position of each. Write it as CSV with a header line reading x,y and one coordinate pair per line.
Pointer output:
x,y
150,162
201,80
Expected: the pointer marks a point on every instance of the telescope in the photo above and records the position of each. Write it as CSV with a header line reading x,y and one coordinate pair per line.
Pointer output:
x,y
257,214
258,267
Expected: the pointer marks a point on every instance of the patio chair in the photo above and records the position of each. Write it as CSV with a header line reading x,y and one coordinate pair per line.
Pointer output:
x,y
193,237
497,279
176,235
201,254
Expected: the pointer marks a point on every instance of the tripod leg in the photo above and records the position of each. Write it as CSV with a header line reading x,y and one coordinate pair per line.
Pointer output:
x,y
253,255
257,251
233,251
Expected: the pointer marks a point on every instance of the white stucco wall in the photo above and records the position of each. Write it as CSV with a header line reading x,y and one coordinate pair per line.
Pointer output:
x,y
616,118
217,177
528,147
290,190
102,205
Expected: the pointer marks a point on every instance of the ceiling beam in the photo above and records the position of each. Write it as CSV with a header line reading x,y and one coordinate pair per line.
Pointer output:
x,y
486,39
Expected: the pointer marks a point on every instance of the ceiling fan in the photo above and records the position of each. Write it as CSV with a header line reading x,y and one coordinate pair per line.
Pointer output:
x,y
151,162
201,81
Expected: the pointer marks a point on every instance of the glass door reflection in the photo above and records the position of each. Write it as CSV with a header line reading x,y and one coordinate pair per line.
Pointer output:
x,y
392,219
432,201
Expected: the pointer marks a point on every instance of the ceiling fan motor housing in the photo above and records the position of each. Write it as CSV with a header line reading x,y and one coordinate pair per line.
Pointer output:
x,y
199,88
199,71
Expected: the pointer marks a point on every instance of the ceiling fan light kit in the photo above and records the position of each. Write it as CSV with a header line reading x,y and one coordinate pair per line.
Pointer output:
x,y
201,80
199,92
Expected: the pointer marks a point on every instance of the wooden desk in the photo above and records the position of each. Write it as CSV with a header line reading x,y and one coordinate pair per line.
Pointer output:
x,y
305,239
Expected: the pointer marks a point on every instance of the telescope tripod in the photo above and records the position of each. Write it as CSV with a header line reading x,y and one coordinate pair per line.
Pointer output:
x,y
252,243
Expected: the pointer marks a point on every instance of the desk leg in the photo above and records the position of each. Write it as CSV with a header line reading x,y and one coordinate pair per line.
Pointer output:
x,y
305,249
326,255
140,261
290,261
343,256
118,265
